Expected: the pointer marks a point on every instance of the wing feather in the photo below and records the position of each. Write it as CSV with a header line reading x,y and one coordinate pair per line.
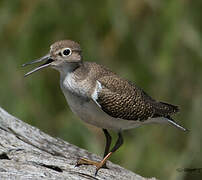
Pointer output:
x,y
120,98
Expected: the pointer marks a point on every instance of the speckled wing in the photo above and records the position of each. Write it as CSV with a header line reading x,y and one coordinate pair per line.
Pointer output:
x,y
120,98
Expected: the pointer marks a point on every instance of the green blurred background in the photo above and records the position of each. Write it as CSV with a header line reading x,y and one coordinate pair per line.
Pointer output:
x,y
155,43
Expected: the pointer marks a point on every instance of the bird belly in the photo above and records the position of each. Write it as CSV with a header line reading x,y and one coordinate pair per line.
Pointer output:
x,y
88,111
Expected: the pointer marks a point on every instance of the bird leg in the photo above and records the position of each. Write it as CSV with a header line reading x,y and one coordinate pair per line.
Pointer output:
x,y
102,163
108,142
84,161
107,145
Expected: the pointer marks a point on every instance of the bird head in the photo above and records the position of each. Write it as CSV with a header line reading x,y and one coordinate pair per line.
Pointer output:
x,y
65,54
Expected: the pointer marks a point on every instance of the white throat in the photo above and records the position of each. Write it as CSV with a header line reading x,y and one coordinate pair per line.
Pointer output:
x,y
65,68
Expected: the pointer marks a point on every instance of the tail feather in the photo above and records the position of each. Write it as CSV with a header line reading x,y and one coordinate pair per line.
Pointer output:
x,y
173,123
164,109
171,108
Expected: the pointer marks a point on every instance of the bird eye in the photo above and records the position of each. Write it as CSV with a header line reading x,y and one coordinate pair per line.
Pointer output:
x,y
66,52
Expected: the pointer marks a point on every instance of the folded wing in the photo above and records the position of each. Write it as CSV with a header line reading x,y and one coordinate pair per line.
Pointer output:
x,y
120,98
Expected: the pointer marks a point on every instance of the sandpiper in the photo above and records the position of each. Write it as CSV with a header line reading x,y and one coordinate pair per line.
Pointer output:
x,y
101,98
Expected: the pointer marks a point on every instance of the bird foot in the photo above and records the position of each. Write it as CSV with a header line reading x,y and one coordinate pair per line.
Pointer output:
x,y
99,165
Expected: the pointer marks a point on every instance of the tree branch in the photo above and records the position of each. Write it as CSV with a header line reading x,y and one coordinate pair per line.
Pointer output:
x,y
28,153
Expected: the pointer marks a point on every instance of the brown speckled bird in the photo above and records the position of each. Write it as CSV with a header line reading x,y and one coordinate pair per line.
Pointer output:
x,y
102,98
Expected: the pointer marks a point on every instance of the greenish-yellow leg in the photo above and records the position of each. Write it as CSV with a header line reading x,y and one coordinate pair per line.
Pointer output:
x,y
107,154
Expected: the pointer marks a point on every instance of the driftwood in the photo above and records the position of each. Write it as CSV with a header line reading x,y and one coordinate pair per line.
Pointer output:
x,y
28,153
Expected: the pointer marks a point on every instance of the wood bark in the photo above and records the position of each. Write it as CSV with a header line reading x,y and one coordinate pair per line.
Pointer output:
x,y
28,153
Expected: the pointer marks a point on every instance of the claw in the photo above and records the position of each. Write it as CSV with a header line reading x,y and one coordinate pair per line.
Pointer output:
x,y
96,171
77,165
99,165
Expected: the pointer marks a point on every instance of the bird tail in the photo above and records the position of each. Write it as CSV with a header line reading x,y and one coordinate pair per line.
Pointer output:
x,y
173,123
171,109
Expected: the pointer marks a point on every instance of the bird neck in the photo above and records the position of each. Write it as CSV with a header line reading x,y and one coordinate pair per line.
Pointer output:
x,y
69,68
77,71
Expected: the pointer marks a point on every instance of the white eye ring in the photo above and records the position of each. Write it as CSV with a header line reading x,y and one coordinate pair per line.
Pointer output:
x,y
66,52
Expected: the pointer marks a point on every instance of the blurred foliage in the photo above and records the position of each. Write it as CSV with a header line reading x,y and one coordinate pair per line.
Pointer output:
x,y
156,44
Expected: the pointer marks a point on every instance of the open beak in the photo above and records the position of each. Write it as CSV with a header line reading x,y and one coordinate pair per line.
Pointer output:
x,y
47,63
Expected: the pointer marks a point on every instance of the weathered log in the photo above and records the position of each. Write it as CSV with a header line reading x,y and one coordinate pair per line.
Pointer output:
x,y
28,153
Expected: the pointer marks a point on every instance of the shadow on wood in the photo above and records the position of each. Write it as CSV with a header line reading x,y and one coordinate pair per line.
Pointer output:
x,y
28,153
